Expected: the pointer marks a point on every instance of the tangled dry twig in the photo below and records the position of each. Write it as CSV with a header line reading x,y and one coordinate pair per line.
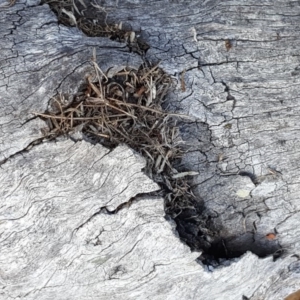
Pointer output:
x,y
72,13
125,107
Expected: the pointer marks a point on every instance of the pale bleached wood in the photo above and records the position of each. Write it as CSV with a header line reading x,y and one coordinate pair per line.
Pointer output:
x,y
57,243
246,105
39,59
53,246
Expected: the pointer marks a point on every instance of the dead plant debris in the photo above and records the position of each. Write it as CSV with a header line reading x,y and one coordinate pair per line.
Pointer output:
x,y
126,107
72,13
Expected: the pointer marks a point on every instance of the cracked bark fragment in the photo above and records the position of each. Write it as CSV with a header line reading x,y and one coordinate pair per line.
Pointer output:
x,y
41,252
47,59
260,101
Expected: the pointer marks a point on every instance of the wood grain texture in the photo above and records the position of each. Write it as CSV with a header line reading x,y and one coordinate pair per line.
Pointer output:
x,y
40,59
246,105
57,243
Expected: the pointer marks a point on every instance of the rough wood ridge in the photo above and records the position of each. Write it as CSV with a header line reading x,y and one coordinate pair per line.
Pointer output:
x,y
237,68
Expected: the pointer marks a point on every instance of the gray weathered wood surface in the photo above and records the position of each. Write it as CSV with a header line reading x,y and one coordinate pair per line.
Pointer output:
x,y
57,243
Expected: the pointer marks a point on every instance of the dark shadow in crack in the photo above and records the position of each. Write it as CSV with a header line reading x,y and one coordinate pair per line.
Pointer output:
x,y
197,227
95,22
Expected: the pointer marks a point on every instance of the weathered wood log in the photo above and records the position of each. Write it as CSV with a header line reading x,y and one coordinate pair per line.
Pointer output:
x,y
61,236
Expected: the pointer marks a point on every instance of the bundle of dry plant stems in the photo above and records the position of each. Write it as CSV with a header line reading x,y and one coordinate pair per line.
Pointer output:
x,y
125,107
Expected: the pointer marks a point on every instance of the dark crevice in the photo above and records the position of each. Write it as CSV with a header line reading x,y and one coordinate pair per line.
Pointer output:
x,y
198,227
252,176
201,229
96,23
105,210
25,150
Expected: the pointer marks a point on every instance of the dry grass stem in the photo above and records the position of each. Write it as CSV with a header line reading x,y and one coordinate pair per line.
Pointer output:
x,y
125,107
72,13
